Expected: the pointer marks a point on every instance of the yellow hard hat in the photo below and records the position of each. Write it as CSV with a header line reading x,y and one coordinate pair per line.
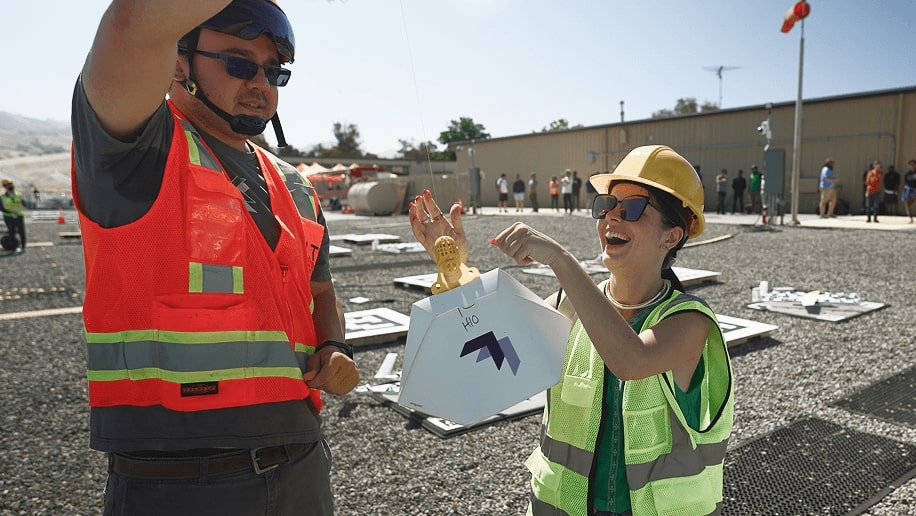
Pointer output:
x,y
6,182
660,167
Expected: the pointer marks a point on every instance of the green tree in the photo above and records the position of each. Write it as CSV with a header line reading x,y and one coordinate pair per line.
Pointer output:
x,y
347,136
708,106
347,140
685,106
425,150
462,130
289,150
560,124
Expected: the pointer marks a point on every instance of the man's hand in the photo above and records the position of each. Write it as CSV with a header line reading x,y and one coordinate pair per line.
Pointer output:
x,y
331,371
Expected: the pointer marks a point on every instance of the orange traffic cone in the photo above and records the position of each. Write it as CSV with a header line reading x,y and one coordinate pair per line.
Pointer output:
x,y
60,216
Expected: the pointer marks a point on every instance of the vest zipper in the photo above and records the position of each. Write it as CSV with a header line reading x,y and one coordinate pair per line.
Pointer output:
x,y
616,430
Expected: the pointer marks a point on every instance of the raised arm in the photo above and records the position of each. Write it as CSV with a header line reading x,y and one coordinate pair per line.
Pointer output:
x,y
132,61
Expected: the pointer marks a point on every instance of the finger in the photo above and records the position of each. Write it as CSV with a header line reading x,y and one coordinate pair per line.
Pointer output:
x,y
422,209
416,217
431,207
415,212
454,214
339,376
500,239
345,381
320,380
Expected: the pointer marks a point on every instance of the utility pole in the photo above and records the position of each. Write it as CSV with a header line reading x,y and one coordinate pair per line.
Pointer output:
x,y
718,71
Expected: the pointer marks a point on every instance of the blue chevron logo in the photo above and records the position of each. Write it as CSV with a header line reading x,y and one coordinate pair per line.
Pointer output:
x,y
500,350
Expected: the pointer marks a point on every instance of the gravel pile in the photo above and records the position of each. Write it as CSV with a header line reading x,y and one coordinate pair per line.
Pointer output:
x,y
386,464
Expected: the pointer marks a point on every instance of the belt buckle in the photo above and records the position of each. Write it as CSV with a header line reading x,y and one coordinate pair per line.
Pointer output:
x,y
257,467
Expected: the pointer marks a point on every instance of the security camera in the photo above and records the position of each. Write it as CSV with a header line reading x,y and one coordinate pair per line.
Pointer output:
x,y
764,127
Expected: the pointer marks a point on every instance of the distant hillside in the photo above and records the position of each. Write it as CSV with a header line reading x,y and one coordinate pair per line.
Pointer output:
x,y
13,123
24,136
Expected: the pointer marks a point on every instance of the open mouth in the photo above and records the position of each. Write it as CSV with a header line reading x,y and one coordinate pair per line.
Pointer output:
x,y
612,238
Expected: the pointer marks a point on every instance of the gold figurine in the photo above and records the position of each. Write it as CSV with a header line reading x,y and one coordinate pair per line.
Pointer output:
x,y
452,273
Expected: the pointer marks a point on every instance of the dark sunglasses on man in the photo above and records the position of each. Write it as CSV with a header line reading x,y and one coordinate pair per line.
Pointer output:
x,y
241,68
631,208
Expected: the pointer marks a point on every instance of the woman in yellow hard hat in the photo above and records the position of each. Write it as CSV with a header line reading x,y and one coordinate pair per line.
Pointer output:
x,y
641,417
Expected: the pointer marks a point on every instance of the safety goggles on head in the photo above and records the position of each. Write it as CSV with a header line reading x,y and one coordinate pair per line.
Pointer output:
x,y
631,208
241,68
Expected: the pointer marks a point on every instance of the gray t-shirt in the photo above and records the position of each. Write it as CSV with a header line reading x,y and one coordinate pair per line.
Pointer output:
x,y
116,184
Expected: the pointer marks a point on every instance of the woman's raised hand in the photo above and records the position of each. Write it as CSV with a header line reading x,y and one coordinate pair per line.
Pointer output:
x,y
429,223
525,245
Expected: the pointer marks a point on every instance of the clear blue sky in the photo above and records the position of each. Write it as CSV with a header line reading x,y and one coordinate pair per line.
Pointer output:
x,y
403,69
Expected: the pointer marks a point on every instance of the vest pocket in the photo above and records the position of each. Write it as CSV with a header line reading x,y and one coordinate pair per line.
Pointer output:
x,y
683,495
648,433
216,218
545,477
578,391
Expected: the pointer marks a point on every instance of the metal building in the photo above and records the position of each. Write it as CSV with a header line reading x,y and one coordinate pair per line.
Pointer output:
x,y
853,130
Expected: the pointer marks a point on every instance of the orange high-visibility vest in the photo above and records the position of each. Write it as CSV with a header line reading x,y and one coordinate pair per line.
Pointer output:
x,y
189,307
553,188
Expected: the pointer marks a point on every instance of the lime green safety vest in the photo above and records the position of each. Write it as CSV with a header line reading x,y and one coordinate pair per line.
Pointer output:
x,y
671,468
12,205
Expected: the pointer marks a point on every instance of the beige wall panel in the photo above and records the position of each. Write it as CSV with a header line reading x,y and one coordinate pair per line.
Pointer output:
x,y
852,130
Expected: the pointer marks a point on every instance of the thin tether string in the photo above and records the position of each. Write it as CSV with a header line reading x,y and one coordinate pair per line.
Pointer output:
x,y
416,89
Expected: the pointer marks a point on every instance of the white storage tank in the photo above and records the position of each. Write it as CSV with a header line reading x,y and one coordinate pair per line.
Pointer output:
x,y
375,197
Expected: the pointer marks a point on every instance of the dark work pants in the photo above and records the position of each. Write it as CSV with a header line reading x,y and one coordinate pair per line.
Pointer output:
x,y
16,225
296,488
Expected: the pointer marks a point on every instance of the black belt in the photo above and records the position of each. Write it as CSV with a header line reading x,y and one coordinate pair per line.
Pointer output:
x,y
258,460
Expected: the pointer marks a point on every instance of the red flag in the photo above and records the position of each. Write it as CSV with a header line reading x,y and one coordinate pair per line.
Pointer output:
x,y
797,12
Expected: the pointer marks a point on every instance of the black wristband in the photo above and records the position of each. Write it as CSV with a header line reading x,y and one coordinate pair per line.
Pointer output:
x,y
344,348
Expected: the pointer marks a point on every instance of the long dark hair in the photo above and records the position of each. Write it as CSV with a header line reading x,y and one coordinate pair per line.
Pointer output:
x,y
675,214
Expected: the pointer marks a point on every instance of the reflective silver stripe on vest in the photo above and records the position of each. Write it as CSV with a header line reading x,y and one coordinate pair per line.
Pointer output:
x,y
171,356
539,508
198,153
215,279
575,459
687,461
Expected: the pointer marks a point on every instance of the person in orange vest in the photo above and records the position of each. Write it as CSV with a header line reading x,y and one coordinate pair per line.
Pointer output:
x,y
553,188
874,182
211,320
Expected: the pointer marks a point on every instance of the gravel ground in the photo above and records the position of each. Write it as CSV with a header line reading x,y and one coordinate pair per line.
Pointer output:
x,y
387,465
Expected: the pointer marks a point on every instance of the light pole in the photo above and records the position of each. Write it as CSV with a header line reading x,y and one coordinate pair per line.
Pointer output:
x,y
772,196
474,179
800,11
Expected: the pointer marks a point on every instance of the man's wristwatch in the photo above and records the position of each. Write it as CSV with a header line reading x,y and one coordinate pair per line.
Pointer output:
x,y
344,348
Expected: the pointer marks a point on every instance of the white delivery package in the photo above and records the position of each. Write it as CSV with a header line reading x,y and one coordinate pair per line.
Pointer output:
x,y
480,348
